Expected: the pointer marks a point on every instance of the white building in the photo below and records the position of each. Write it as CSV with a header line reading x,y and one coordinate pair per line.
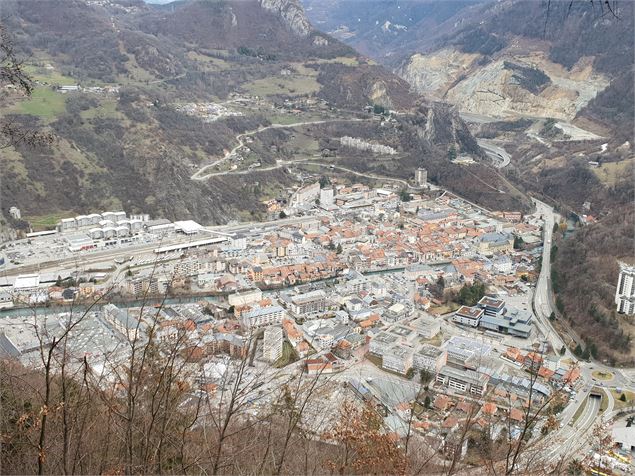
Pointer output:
x,y
426,326
430,358
468,316
308,303
398,359
306,195
625,292
262,316
272,343
243,298
326,196
421,177
465,381
381,342
26,284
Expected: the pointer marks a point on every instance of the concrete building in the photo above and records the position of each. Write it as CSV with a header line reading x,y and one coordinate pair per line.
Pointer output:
x,y
26,284
515,322
6,298
326,196
421,177
381,342
262,316
67,224
243,298
491,306
306,195
272,343
309,303
430,358
465,381
397,359
468,316
426,326
625,292
462,349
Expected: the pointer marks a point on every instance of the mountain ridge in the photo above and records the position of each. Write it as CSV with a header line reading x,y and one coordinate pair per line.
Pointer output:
x,y
135,148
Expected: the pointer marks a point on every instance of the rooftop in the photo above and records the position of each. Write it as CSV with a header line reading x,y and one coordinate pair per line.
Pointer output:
x,y
469,312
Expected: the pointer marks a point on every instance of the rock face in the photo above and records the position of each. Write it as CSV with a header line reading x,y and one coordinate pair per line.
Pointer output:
x,y
508,85
291,12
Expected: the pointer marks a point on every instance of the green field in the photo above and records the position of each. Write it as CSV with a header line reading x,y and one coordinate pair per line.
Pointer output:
x,y
107,108
46,222
48,76
44,102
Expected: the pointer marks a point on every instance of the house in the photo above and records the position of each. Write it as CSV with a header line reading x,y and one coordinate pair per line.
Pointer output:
x,y
325,364
489,408
442,402
122,321
516,415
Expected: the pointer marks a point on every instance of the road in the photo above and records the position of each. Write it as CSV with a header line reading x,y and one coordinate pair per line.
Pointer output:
x,y
543,302
499,155
198,175
570,439
544,305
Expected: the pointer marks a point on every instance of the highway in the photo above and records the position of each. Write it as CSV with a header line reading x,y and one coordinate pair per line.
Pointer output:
x,y
499,156
569,440
543,302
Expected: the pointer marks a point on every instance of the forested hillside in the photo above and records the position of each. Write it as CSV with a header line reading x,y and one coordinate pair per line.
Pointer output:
x,y
124,140
585,272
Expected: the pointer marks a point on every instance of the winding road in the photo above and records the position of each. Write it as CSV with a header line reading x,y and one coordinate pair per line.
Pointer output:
x,y
499,156
198,175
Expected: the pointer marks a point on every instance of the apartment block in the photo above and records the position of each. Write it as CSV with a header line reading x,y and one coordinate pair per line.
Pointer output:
x,y
262,316
464,381
309,303
272,343
625,292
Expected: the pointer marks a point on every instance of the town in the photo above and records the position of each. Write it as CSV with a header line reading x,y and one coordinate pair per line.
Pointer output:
x,y
414,301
